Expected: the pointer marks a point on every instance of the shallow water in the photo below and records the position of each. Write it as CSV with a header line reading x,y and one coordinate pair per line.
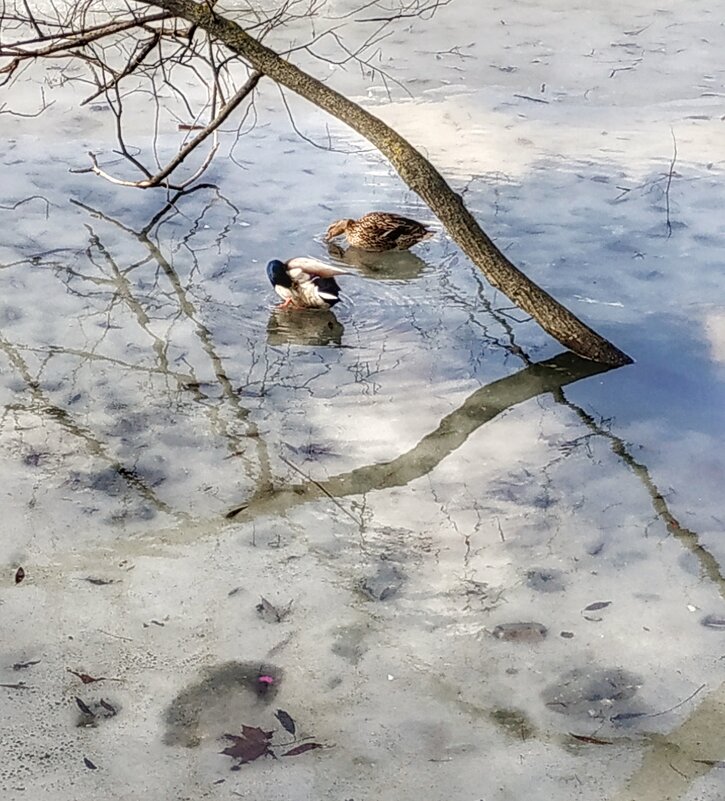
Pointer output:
x,y
404,482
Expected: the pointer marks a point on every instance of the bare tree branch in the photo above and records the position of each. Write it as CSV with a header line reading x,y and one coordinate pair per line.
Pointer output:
x,y
116,51
419,174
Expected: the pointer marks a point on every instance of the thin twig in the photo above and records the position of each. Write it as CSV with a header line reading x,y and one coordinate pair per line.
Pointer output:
x,y
322,489
669,182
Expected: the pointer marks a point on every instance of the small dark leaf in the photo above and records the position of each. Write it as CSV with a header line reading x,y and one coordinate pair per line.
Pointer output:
x,y
597,605
84,677
108,707
287,723
23,665
19,575
301,749
85,709
87,762
583,738
99,582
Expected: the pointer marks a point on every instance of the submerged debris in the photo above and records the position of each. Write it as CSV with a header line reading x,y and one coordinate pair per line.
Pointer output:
x,y
520,632
19,575
271,613
593,692
714,622
384,583
544,579
24,665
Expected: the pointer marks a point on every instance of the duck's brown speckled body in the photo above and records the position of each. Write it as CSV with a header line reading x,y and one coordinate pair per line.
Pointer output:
x,y
380,230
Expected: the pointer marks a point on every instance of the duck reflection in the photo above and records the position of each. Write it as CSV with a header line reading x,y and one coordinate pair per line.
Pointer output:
x,y
304,327
392,265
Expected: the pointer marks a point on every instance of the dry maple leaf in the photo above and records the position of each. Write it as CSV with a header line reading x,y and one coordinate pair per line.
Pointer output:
x,y
250,745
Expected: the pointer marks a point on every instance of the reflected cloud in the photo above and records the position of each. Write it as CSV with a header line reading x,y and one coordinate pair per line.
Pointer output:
x,y
715,329
454,429
392,265
314,327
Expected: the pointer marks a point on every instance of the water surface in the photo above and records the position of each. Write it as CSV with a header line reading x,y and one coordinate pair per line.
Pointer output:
x,y
403,477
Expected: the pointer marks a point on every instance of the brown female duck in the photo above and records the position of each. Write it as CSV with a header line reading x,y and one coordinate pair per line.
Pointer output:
x,y
380,230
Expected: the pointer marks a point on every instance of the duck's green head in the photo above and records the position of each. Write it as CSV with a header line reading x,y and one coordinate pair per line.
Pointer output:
x,y
277,274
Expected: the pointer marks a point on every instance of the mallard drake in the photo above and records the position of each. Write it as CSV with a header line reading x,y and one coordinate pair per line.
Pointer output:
x,y
305,283
380,230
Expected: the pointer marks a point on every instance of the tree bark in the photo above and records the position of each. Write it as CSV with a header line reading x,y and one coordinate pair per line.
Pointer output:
x,y
419,174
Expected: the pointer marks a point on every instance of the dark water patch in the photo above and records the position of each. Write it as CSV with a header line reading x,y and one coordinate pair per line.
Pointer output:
x,y
594,693
226,695
514,722
350,642
544,579
384,583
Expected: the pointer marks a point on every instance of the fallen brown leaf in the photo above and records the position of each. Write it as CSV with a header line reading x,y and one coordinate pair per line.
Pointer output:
x,y
250,745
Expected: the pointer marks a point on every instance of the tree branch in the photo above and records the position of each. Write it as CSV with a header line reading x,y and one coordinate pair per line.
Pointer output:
x,y
419,174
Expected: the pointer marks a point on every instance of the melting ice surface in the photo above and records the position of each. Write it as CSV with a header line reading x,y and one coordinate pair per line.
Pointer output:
x,y
412,489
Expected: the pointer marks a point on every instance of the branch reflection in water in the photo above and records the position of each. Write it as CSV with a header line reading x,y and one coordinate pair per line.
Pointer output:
x,y
454,429
308,327
393,265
